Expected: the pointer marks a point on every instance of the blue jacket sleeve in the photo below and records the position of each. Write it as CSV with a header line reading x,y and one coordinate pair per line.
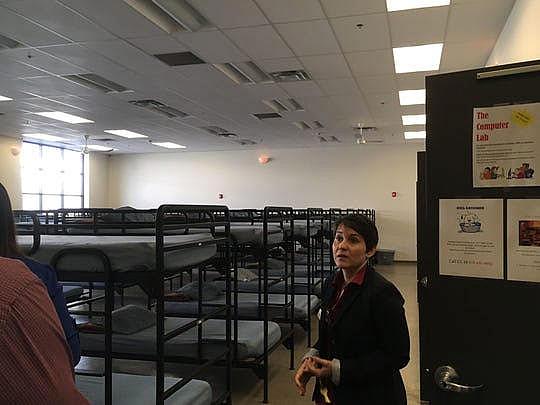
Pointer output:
x,y
48,276
68,323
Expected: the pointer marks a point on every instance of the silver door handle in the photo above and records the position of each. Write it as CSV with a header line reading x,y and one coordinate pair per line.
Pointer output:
x,y
446,379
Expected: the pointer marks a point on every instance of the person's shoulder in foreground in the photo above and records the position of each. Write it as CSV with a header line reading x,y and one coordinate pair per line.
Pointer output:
x,y
35,362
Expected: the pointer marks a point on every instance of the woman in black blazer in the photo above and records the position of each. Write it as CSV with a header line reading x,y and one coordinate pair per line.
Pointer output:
x,y
363,335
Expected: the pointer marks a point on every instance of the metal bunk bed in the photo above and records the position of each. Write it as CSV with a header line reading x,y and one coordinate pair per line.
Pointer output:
x,y
92,265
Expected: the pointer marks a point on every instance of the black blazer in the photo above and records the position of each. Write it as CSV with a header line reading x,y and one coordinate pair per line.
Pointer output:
x,y
371,339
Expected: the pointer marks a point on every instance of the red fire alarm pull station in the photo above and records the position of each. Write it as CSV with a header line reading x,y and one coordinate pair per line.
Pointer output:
x,y
394,194
220,196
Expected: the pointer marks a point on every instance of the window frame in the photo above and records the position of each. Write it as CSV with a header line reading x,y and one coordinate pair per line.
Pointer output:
x,y
62,194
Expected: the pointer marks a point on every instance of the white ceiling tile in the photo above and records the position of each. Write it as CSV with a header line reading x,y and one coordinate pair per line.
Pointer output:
x,y
340,8
50,64
260,42
413,109
369,63
212,46
418,27
482,19
334,87
319,41
374,33
279,11
377,84
468,55
326,66
88,60
108,13
22,30
230,13
158,44
302,89
277,65
128,56
60,19
412,81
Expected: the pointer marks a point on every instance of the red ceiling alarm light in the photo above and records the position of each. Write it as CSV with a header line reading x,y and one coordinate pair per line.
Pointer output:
x,y
263,159
394,194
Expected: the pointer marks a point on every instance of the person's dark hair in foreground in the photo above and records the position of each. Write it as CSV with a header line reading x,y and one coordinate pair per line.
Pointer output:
x,y
8,248
363,335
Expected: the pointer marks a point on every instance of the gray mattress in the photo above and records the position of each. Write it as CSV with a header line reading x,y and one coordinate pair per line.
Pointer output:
x,y
300,286
72,292
126,253
250,339
247,233
140,390
248,306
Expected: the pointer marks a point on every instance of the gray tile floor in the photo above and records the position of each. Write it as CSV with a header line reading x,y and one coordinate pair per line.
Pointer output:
x,y
248,389
282,391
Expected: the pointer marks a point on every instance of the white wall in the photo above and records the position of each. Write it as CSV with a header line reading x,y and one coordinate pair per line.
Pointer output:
x,y
358,176
10,169
519,40
97,180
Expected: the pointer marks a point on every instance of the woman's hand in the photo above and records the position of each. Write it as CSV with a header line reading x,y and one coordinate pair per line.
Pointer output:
x,y
301,377
319,367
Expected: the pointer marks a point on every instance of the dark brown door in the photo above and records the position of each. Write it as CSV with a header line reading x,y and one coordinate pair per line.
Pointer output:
x,y
479,338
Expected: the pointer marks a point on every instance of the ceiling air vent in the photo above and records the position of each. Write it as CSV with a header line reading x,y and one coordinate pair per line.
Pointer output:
x,y
94,81
245,142
160,108
322,139
105,140
221,132
290,76
334,139
317,124
302,125
276,105
267,116
170,15
179,59
8,43
295,104
243,72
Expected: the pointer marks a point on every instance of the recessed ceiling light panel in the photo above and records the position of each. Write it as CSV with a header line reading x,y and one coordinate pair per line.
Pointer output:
x,y
124,133
396,5
169,145
44,137
415,134
419,58
60,116
412,97
419,119
3,98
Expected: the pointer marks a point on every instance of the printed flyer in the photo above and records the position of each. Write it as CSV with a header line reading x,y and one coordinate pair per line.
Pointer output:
x,y
471,238
506,146
523,240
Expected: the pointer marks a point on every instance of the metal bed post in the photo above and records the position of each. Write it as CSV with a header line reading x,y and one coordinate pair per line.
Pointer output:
x,y
160,308
309,276
291,365
265,292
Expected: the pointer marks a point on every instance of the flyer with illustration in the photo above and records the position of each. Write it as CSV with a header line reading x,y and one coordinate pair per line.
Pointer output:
x,y
471,238
506,146
523,227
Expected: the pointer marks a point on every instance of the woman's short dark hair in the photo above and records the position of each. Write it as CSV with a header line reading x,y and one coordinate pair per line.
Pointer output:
x,y
8,243
364,226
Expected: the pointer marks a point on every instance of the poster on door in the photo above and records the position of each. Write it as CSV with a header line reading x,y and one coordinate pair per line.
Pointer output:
x,y
471,238
523,240
506,146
